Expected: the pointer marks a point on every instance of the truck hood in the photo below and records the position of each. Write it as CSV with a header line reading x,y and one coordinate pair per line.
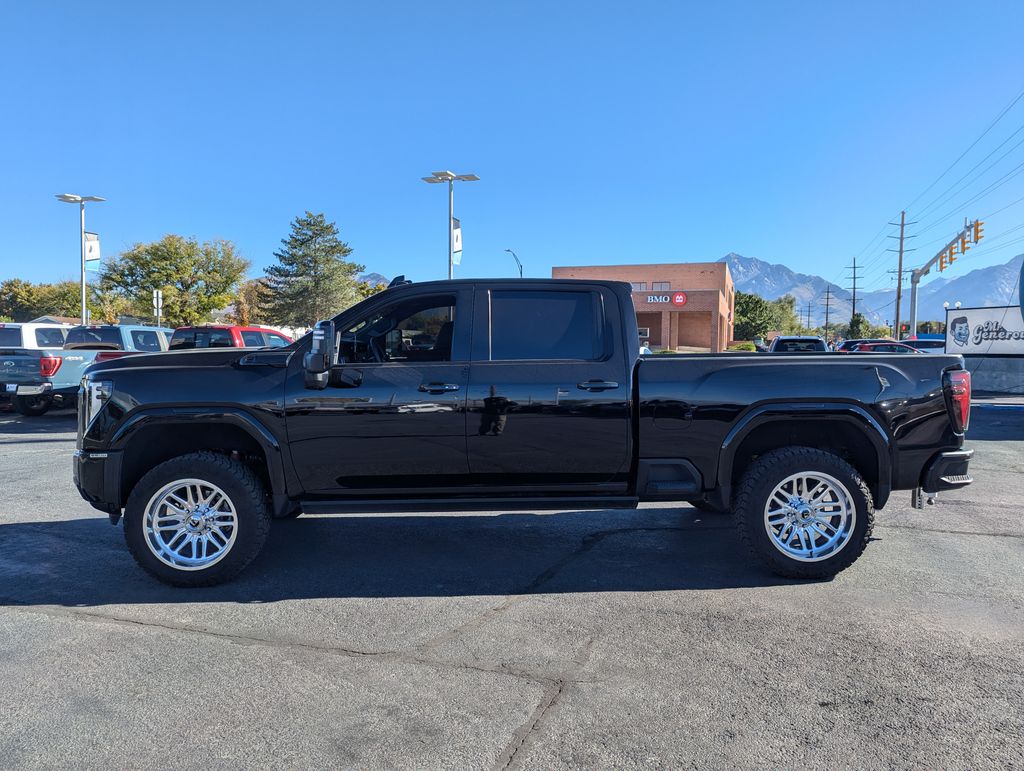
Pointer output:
x,y
192,359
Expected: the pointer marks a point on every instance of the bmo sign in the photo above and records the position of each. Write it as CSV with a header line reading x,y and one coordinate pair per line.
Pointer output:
x,y
676,298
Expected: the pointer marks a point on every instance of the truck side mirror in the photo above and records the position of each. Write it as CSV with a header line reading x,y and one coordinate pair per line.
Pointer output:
x,y
321,357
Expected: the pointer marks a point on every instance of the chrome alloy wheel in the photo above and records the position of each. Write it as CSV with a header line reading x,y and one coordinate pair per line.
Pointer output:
x,y
810,516
190,524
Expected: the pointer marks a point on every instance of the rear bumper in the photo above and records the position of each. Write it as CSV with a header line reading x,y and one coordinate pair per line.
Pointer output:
x,y
25,389
97,476
947,471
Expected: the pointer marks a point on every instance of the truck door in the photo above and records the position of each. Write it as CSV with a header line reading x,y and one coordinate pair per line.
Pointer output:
x,y
549,393
393,416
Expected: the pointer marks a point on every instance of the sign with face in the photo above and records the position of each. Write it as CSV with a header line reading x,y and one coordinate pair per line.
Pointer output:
x,y
985,330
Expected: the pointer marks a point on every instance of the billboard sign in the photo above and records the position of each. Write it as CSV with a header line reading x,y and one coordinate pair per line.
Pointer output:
x,y
980,331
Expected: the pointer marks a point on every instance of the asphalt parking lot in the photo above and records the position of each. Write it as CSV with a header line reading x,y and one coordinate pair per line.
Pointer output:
x,y
575,638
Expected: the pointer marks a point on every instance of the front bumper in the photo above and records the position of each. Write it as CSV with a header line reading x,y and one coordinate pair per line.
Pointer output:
x,y
97,476
947,471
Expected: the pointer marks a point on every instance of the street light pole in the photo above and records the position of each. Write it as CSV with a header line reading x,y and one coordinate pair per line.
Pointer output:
x,y
447,176
514,257
81,200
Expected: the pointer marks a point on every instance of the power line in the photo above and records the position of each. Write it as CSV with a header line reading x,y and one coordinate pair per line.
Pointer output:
x,y
970,147
991,188
946,195
1012,203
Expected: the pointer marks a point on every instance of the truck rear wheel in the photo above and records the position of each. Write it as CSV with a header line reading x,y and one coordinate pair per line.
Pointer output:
x,y
805,513
197,520
32,406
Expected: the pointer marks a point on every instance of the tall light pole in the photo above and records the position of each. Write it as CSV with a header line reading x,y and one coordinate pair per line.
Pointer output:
x,y
517,262
81,201
447,176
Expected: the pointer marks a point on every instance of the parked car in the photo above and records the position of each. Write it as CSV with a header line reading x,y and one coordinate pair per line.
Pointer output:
x,y
887,347
927,345
214,336
531,397
798,344
35,336
85,345
848,345
24,378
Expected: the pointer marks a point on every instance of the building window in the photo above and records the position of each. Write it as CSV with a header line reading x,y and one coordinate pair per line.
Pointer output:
x,y
639,286
645,332
661,286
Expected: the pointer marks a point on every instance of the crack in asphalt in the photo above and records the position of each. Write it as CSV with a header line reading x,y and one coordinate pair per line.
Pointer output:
x,y
587,544
949,532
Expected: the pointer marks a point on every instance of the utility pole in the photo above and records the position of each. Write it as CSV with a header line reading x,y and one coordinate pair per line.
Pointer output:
x,y
899,268
808,315
854,289
828,302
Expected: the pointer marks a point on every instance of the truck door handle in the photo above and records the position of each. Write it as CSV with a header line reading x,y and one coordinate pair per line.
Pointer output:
x,y
438,388
597,385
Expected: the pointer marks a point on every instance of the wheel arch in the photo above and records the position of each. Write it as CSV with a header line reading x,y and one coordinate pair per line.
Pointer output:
x,y
154,436
847,430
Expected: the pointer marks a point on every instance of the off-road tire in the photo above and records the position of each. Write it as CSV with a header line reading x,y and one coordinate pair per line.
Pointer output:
x,y
761,478
242,486
32,406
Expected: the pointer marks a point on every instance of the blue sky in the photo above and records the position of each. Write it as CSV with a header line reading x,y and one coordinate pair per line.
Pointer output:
x,y
603,132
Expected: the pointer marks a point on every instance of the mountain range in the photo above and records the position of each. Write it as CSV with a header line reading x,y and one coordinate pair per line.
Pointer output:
x,y
994,285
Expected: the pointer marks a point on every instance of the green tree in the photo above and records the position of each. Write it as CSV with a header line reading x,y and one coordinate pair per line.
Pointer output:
x,y
754,316
786,320
196,278
858,328
369,289
23,301
312,280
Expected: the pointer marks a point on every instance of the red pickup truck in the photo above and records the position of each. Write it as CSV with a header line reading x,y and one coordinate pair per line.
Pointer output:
x,y
226,336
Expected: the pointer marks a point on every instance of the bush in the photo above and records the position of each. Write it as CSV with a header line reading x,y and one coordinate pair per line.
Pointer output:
x,y
742,347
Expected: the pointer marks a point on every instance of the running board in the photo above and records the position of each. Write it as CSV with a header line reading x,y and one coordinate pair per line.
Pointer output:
x,y
546,503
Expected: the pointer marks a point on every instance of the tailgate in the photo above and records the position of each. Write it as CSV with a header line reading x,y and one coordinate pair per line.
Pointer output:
x,y
19,365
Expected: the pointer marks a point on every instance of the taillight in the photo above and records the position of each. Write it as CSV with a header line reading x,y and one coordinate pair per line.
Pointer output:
x,y
108,355
48,365
960,398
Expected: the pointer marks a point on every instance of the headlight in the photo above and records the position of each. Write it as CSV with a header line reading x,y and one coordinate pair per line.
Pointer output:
x,y
91,397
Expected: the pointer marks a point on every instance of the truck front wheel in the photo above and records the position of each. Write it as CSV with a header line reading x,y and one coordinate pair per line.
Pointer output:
x,y
197,520
804,512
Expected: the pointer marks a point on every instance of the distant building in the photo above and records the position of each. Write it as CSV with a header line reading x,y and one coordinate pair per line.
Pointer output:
x,y
678,305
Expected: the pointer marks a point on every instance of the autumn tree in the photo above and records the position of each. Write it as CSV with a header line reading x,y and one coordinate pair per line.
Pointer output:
x,y
252,303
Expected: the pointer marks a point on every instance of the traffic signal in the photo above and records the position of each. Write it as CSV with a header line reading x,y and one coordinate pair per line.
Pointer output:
x,y
978,230
942,262
963,245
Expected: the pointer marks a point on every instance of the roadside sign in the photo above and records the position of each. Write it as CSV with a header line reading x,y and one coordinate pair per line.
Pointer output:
x,y
158,301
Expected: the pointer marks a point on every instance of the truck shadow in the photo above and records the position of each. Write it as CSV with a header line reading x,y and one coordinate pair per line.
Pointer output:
x,y
62,421
84,562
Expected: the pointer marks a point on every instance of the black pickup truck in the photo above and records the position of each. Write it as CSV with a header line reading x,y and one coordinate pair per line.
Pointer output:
x,y
517,394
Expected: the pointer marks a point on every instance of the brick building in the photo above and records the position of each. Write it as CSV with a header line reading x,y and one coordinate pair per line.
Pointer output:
x,y
677,304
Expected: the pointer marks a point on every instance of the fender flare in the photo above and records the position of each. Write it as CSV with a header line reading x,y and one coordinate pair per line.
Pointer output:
x,y
809,411
164,417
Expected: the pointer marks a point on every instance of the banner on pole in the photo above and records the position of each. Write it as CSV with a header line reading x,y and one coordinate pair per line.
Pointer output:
x,y
92,251
456,241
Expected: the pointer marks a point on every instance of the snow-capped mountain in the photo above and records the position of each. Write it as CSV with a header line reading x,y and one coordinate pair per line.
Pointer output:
x,y
994,285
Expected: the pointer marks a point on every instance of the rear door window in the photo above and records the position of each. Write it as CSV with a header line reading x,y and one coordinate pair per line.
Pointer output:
x,y
52,337
10,337
146,340
182,339
276,340
252,339
552,325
